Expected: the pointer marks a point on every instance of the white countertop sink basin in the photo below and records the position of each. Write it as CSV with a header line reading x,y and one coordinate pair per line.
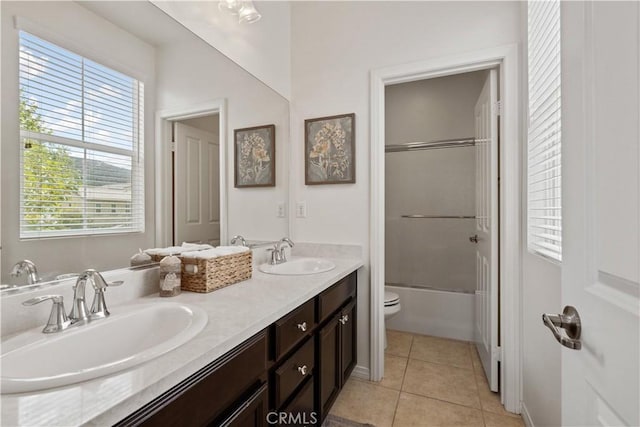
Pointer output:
x,y
299,266
33,361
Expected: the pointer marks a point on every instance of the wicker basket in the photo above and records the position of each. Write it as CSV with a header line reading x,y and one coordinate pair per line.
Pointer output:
x,y
207,275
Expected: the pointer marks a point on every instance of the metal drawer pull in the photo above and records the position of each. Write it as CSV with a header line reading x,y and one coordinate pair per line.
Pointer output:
x,y
303,370
569,320
344,319
302,326
473,239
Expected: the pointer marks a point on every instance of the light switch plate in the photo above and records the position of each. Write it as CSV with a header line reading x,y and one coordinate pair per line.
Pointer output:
x,y
301,209
282,210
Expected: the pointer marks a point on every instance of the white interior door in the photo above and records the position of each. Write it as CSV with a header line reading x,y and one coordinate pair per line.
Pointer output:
x,y
197,186
601,215
486,123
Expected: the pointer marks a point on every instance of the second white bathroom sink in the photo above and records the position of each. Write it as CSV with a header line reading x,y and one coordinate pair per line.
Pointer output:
x,y
132,335
299,266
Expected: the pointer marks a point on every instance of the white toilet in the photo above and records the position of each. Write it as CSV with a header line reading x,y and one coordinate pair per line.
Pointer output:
x,y
391,308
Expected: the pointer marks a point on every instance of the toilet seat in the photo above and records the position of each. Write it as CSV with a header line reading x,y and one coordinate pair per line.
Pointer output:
x,y
391,299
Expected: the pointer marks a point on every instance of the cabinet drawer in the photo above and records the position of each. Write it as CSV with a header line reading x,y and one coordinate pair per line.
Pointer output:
x,y
252,412
293,372
334,297
292,328
209,392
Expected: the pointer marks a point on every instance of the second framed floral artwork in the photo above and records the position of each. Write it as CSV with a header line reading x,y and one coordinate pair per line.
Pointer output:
x,y
255,156
329,150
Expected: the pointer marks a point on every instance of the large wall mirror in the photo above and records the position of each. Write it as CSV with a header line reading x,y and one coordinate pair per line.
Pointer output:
x,y
118,134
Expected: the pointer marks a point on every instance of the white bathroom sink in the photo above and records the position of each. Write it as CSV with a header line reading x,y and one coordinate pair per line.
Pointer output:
x,y
134,334
299,266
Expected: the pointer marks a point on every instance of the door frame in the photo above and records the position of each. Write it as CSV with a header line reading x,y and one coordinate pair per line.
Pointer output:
x,y
506,59
163,193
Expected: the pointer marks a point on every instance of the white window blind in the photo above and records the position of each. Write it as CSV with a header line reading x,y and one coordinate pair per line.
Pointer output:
x,y
544,161
81,129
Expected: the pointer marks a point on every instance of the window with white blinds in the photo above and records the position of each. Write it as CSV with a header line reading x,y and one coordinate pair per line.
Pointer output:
x,y
81,138
544,136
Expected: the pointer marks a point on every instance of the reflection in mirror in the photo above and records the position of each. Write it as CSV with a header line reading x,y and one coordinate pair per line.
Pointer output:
x,y
123,186
196,180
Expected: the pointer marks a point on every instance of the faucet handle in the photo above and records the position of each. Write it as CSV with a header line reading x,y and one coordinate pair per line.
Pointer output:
x,y
58,320
275,255
99,306
237,238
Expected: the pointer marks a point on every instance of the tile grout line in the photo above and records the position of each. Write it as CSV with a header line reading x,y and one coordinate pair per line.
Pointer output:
x,y
443,364
404,374
442,401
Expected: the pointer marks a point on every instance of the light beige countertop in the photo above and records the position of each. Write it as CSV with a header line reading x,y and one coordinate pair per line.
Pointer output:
x,y
235,314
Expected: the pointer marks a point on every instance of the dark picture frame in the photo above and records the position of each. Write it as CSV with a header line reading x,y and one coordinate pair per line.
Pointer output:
x,y
330,150
255,156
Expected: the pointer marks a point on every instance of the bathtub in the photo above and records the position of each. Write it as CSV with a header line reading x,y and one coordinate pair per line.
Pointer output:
x,y
434,312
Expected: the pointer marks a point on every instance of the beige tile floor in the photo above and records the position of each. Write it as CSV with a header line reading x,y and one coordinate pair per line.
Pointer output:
x,y
428,381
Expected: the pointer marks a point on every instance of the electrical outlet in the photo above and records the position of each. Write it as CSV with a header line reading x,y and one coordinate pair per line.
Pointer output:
x,y
282,210
301,209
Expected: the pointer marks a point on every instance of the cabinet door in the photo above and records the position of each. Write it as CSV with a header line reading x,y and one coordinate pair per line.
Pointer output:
x,y
348,341
328,363
301,410
252,413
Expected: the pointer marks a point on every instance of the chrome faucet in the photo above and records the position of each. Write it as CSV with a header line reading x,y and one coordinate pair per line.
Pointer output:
x,y
237,238
28,267
278,255
79,312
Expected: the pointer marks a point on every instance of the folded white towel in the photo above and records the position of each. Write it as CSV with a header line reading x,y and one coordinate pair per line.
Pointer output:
x,y
195,246
177,250
215,253
171,250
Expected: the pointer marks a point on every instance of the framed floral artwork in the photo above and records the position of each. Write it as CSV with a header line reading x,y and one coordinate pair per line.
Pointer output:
x,y
255,156
329,151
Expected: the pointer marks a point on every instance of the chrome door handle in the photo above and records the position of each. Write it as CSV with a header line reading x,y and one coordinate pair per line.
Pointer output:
x,y
302,326
303,370
344,319
569,320
473,239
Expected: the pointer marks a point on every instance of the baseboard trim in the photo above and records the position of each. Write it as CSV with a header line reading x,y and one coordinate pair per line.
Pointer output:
x,y
525,416
361,372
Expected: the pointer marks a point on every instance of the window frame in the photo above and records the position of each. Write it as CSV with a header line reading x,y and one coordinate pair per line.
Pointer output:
x,y
135,211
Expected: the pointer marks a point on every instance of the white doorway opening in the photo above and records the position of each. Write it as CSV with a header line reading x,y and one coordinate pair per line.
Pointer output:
x,y
166,217
503,59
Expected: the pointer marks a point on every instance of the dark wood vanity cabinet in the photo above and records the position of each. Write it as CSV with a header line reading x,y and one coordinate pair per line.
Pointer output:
x,y
214,394
336,343
295,368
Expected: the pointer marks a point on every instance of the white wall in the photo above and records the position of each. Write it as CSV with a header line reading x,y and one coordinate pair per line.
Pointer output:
x,y
330,75
540,351
541,288
431,252
189,73
75,28
432,109
262,48
206,123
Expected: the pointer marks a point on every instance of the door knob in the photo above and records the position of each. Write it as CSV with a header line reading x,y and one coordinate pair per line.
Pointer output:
x,y
473,239
569,320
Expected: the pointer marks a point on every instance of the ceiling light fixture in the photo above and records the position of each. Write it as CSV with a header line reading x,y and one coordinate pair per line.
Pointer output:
x,y
245,10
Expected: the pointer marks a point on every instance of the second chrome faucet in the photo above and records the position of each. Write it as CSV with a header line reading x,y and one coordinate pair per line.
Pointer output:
x,y
278,254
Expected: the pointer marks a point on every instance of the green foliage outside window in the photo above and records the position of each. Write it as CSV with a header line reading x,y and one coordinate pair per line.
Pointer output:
x,y
50,182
